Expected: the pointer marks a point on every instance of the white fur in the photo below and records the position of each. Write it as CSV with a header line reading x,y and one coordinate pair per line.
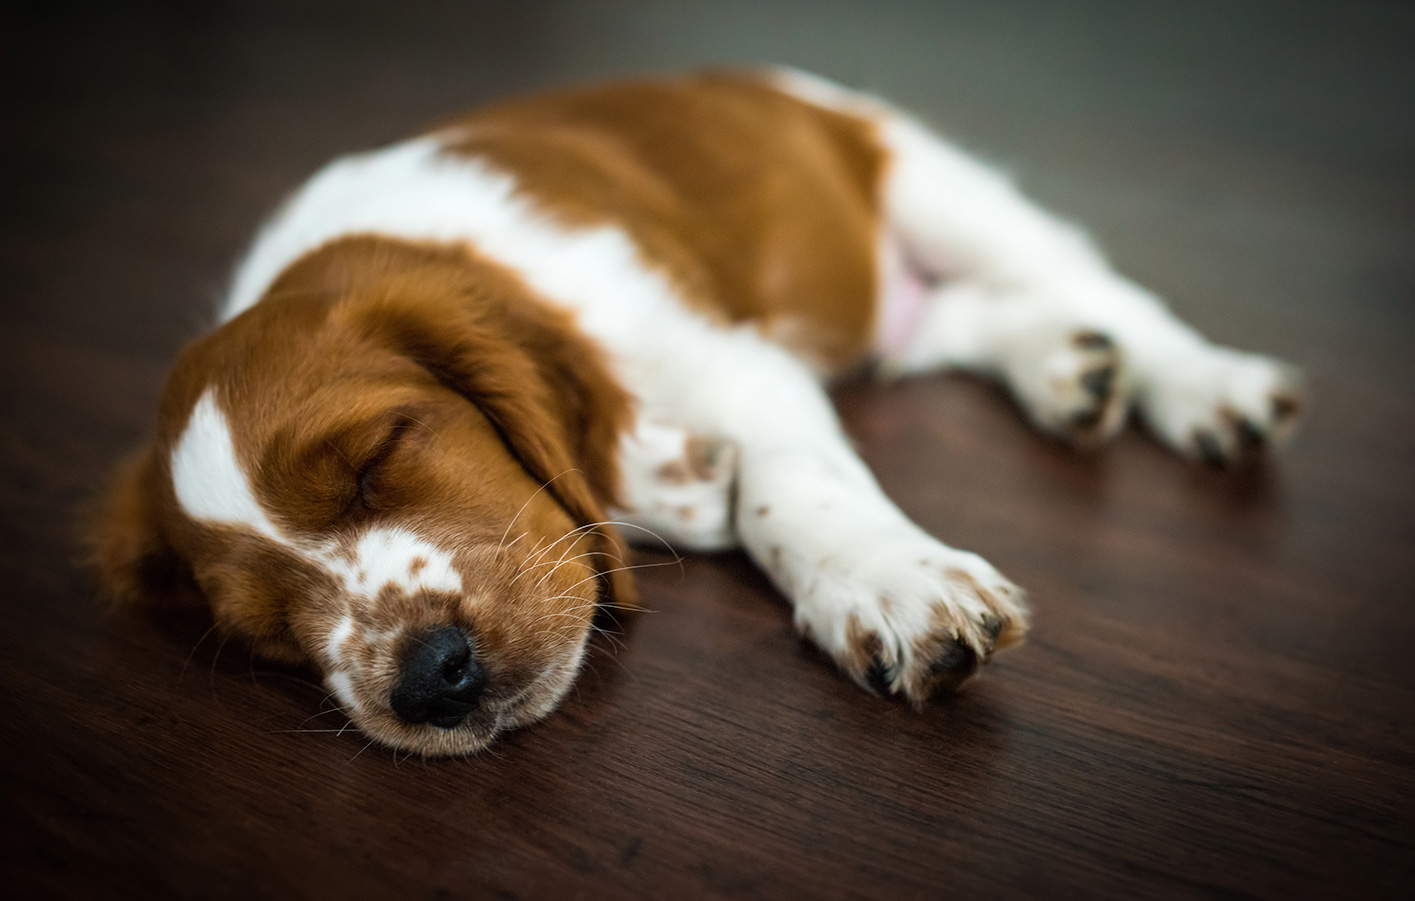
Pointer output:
x,y
825,93
209,481
382,636
383,558
334,645
342,685
694,511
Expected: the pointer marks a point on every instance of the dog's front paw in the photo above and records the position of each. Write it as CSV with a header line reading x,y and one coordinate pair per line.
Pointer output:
x,y
1221,406
679,485
911,616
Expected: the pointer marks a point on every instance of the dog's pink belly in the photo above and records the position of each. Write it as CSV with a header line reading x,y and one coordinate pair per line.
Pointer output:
x,y
903,297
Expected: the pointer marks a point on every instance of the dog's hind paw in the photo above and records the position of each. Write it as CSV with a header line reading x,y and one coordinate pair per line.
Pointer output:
x,y
1072,381
1222,407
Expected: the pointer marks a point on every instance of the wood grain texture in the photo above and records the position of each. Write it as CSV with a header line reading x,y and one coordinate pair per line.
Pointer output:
x,y
1217,694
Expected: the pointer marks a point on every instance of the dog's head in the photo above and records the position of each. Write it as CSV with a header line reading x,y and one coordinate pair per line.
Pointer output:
x,y
394,469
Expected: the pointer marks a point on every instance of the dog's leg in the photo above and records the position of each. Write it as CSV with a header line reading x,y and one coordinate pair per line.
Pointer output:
x,y
1027,298
898,610
1068,375
678,487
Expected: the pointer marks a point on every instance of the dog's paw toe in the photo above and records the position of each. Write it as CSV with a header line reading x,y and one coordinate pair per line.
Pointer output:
x,y
1223,408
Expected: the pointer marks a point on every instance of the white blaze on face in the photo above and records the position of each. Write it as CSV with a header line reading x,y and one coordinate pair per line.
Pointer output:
x,y
343,688
334,646
208,479
212,486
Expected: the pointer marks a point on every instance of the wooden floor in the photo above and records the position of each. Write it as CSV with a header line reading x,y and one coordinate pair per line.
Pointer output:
x,y
1218,697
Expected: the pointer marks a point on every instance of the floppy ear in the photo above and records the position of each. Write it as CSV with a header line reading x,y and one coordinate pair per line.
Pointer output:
x,y
549,392
130,549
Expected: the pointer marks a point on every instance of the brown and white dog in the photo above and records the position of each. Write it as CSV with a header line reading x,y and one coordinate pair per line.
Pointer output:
x,y
451,372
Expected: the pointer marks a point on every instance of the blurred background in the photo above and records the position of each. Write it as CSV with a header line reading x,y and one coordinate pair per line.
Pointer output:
x,y
1213,128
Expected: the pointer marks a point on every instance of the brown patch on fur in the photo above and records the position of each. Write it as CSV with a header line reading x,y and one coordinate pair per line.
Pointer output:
x,y
698,462
1231,417
758,206
862,649
1010,630
416,565
674,472
701,456
943,659
763,510
1092,340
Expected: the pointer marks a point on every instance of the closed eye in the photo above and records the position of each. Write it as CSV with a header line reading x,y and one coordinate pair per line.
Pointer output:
x,y
369,471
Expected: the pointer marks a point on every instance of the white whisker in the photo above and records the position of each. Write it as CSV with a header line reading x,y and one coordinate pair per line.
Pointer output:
x,y
543,486
363,749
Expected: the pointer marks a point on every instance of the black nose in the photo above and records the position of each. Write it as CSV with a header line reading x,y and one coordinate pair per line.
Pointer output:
x,y
440,679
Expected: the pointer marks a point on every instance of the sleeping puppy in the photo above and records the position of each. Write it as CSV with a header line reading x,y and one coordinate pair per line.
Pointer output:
x,y
454,374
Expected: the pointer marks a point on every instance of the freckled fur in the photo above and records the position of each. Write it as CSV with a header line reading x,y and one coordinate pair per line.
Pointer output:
x,y
675,472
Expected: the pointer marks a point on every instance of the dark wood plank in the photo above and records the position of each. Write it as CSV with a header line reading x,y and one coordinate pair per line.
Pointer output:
x,y
1217,698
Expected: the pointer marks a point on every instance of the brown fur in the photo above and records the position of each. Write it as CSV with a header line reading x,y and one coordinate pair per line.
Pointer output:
x,y
864,650
759,206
